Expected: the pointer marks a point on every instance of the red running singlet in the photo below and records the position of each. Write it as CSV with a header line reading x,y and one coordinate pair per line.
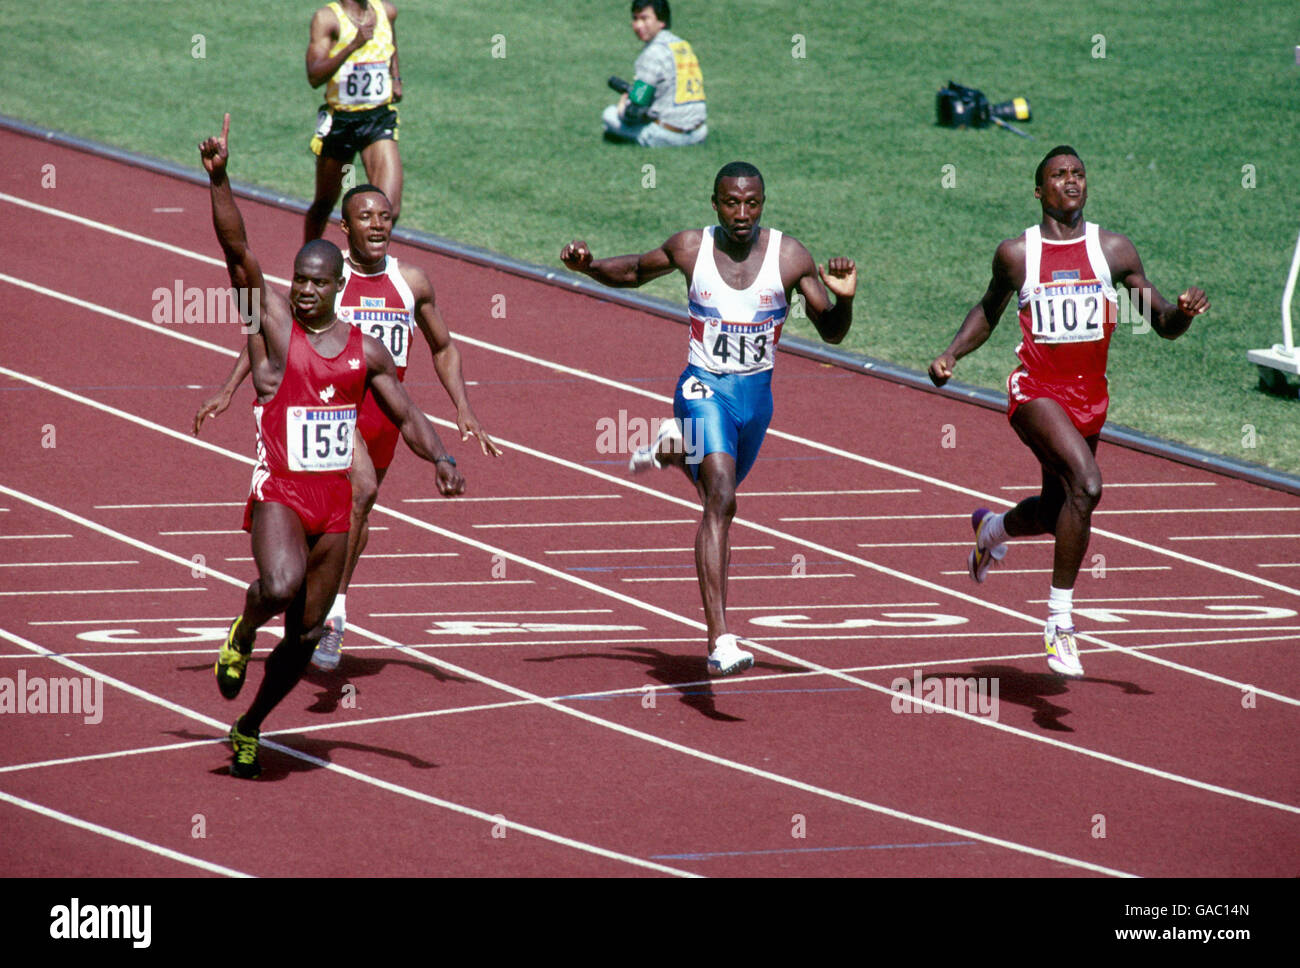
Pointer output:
x,y
304,435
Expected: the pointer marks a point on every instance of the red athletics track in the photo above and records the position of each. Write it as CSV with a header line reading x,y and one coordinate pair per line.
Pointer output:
x,y
522,688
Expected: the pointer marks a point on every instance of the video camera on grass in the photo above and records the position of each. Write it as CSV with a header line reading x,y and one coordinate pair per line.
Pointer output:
x,y
967,107
640,96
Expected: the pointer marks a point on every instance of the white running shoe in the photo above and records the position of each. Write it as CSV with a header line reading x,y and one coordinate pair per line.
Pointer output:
x,y
727,657
1062,652
643,458
329,648
981,559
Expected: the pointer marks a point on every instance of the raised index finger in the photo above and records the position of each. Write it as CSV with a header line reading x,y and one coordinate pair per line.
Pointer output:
x,y
225,127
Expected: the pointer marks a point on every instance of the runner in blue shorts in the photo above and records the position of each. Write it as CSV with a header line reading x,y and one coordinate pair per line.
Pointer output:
x,y
740,279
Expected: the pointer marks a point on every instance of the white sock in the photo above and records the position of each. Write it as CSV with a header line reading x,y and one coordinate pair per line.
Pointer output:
x,y
339,608
1059,602
995,533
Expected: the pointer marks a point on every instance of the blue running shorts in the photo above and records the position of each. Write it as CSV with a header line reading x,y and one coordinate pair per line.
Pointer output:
x,y
723,412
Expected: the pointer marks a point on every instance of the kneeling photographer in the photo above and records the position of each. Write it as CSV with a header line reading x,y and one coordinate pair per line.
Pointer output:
x,y
663,106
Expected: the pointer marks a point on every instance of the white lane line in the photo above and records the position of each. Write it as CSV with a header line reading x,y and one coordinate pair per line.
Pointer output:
x,y
30,537
187,504
1281,564
173,534
576,713
1048,571
787,608
883,517
62,564
1193,510
731,578
1108,485
325,764
533,611
1229,537
947,544
127,621
114,755
540,497
647,551
585,524
376,554
649,394
874,490
1154,598
120,837
440,584
104,591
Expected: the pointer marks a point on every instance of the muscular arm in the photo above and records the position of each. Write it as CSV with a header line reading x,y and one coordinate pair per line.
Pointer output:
x,y
446,357
1169,320
217,404
630,271
831,321
1008,276
268,332
381,377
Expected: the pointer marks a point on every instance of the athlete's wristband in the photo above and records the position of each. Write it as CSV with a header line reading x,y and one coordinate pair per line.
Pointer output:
x,y
445,459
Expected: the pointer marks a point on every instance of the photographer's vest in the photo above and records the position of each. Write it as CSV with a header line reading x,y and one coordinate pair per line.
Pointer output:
x,y
734,330
1068,308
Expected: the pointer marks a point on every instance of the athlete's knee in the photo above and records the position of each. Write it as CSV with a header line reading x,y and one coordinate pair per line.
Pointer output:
x,y
720,502
1085,489
365,490
278,586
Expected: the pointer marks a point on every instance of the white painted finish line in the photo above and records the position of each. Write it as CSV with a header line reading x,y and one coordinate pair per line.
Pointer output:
x,y
106,591
521,497
188,504
584,524
62,564
646,551
694,578
1230,537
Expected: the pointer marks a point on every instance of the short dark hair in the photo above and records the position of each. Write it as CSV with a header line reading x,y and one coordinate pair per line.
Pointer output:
x,y
361,190
662,10
326,251
737,169
1055,152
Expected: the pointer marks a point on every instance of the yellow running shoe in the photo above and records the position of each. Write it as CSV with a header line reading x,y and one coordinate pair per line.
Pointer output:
x,y
231,663
244,764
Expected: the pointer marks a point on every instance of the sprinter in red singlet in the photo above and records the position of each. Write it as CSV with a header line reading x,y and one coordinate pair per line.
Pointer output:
x,y
388,301
311,373
1064,271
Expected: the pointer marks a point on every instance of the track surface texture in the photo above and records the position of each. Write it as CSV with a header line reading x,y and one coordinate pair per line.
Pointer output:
x,y
523,688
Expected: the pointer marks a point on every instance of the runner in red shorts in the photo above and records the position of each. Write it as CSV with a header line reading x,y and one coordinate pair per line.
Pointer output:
x,y
389,301
310,372
1064,271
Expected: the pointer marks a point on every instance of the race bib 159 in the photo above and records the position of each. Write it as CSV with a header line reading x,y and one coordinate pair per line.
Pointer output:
x,y
319,439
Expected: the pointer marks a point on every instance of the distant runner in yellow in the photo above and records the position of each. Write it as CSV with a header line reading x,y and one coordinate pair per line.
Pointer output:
x,y
664,105
353,47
